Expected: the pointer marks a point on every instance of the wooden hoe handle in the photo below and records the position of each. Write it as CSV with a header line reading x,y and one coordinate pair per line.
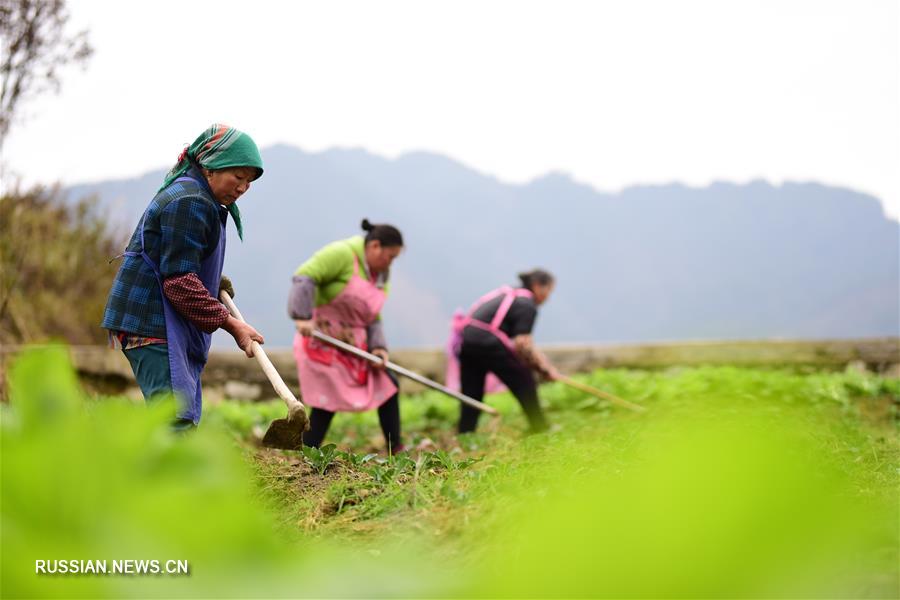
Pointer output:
x,y
601,394
263,359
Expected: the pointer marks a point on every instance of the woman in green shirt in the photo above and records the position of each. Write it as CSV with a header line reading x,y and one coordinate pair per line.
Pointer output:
x,y
340,291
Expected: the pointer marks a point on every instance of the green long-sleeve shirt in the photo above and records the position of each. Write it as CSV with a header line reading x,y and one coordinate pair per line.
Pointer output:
x,y
331,268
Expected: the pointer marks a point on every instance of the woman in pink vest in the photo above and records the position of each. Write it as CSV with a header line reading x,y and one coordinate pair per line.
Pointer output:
x,y
340,291
495,338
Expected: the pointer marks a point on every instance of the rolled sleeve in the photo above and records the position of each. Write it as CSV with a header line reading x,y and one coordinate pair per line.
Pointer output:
x,y
192,300
302,298
375,335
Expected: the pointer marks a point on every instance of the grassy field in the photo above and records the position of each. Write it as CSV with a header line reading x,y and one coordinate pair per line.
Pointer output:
x,y
735,482
453,492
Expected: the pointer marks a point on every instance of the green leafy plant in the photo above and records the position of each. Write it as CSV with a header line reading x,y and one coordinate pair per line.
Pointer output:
x,y
356,460
386,470
442,459
320,458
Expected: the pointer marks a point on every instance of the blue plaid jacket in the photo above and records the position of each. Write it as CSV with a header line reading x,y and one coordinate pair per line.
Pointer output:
x,y
181,229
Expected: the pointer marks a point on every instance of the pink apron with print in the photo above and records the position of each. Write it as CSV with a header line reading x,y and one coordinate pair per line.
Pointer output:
x,y
492,383
334,380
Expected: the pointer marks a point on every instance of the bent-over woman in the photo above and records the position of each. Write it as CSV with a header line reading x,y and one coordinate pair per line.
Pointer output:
x,y
163,305
340,291
495,338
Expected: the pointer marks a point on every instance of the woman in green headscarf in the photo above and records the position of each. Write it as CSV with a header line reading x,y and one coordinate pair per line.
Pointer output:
x,y
163,305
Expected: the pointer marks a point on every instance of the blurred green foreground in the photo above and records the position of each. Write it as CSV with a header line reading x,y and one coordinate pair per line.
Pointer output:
x,y
735,483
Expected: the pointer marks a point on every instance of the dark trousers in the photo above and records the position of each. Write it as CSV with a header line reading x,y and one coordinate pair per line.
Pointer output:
x,y
388,417
150,365
474,365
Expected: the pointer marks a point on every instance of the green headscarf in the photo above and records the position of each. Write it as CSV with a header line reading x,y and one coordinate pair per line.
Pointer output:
x,y
220,147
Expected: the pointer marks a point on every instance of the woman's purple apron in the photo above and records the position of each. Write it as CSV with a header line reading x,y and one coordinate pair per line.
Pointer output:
x,y
188,346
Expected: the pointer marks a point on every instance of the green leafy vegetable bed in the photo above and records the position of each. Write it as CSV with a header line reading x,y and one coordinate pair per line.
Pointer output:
x,y
734,482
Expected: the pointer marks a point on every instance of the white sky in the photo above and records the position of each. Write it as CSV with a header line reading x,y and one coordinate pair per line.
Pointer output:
x,y
614,92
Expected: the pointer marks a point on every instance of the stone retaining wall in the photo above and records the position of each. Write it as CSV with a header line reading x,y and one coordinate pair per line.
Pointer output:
x,y
230,373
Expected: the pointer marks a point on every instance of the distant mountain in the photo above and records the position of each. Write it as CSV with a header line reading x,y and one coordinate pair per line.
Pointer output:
x,y
800,260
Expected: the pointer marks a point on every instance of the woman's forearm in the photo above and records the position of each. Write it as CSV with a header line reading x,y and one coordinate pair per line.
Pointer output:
x,y
525,348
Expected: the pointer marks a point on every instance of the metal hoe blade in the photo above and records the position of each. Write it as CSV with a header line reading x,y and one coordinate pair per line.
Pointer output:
x,y
287,434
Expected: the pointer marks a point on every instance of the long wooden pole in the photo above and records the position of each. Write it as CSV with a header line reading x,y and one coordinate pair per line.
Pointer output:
x,y
294,405
405,372
601,394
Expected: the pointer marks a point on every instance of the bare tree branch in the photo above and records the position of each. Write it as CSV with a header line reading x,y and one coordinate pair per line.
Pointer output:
x,y
36,47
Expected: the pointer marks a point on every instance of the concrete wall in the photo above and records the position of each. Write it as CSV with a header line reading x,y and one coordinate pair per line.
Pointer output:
x,y
231,373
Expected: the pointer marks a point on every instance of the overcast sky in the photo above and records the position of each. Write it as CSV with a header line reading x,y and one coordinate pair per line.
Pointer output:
x,y
614,92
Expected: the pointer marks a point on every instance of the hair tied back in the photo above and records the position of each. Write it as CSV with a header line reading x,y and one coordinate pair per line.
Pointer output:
x,y
536,276
387,235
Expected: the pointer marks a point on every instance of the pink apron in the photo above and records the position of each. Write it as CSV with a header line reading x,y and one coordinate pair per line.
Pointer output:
x,y
334,380
492,384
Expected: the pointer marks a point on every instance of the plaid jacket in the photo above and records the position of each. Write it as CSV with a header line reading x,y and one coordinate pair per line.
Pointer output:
x,y
181,229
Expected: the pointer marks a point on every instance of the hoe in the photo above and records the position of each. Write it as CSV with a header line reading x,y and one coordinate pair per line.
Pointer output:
x,y
405,372
282,433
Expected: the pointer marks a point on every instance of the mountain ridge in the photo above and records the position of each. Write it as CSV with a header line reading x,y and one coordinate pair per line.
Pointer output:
x,y
649,262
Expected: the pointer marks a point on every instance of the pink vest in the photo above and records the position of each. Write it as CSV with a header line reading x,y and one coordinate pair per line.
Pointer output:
x,y
334,380
459,323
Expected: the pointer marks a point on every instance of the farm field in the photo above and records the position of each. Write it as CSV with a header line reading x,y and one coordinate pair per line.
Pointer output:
x,y
735,482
